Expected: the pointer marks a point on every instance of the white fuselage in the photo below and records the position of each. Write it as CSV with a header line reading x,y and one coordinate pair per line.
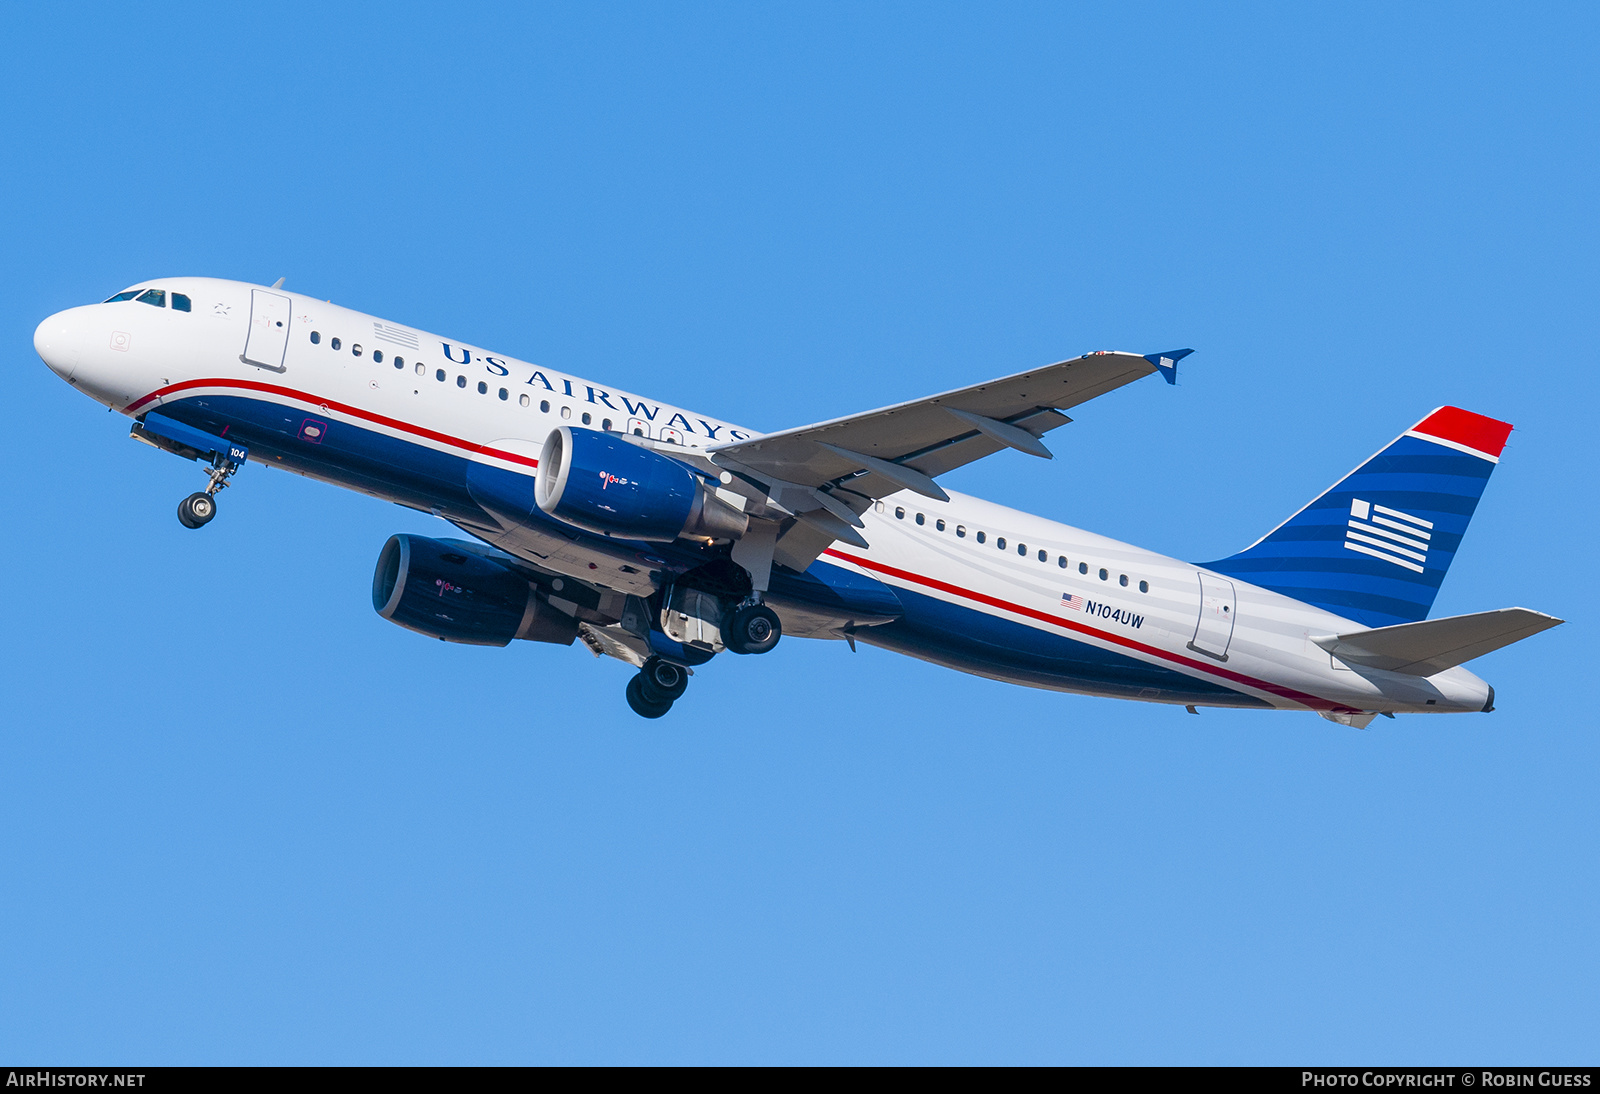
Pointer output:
x,y
965,555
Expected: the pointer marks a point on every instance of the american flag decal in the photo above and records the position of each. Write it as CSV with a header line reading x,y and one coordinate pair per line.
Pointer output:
x,y
1069,600
398,335
1389,534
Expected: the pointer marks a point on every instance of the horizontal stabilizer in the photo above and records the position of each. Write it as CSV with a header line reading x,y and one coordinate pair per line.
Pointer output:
x,y
1433,645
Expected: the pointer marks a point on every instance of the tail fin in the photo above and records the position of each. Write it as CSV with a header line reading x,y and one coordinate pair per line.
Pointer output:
x,y
1376,545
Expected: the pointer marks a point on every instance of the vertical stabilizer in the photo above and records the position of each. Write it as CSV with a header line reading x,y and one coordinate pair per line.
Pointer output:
x,y
1375,547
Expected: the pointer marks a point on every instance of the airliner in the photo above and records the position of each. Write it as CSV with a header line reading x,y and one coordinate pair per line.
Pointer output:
x,y
660,537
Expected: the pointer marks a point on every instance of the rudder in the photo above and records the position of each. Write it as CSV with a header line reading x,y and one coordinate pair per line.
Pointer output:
x,y
1375,546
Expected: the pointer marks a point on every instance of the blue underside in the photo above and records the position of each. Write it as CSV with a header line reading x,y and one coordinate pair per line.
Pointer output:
x,y
957,636
973,641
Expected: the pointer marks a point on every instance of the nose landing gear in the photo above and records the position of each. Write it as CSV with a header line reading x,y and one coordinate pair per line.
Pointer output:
x,y
224,456
659,684
196,510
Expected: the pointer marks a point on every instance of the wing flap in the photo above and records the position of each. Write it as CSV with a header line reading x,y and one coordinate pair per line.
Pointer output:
x,y
1432,645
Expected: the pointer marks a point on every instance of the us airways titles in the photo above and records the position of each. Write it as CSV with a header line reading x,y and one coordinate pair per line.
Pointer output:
x,y
646,412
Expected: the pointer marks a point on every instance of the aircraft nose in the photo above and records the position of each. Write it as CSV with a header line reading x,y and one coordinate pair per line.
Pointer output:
x,y
59,342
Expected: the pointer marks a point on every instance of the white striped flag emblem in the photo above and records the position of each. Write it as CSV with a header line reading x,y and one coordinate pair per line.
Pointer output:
x,y
1388,534
1073,601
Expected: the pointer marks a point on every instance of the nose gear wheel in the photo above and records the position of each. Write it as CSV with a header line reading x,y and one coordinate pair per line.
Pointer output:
x,y
197,510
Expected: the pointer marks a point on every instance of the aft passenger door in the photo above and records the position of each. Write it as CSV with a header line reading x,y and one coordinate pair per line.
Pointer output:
x,y
268,339
1214,631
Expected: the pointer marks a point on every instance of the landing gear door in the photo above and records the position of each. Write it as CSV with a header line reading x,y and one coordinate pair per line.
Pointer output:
x,y
1214,631
269,330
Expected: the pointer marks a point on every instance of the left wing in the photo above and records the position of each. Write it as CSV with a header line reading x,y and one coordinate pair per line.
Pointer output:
x,y
930,436
824,475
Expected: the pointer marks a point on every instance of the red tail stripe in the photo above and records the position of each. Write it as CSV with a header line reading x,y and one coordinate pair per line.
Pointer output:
x,y
342,408
1311,701
1481,434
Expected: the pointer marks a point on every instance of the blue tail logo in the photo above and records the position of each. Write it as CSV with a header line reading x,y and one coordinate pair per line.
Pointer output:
x,y
1376,545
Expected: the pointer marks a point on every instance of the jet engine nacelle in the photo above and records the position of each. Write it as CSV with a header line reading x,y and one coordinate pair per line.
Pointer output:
x,y
602,483
449,591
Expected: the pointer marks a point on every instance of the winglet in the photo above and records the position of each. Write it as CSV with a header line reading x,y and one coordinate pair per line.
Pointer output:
x,y
1168,362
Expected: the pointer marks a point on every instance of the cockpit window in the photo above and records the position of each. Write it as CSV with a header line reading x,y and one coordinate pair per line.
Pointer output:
x,y
156,298
180,302
121,296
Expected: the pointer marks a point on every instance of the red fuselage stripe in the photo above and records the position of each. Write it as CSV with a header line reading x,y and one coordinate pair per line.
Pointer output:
x,y
1312,701
342,408
904,575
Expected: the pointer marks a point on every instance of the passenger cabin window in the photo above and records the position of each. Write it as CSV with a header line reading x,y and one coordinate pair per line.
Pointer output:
x,y
899,513
981,537
483,388
1083,567
399,362
377,356
316,338
586,418
356,349
156,298
544,406
1062,562
1001,543
1044,556
1103,574
438,374
422,369
961,531
121,296
180,302
1123,581
921,519
504,395
1144,586
939,524
333,343
523,400
461,381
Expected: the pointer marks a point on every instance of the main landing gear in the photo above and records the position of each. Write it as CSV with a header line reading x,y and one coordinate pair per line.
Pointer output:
x,y
695,624
753,628
658,685
196,510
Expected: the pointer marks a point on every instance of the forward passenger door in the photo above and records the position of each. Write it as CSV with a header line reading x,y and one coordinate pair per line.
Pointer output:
x,y
268,339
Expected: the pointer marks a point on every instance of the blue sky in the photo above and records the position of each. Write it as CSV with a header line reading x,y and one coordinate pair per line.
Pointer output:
x,y
246,820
